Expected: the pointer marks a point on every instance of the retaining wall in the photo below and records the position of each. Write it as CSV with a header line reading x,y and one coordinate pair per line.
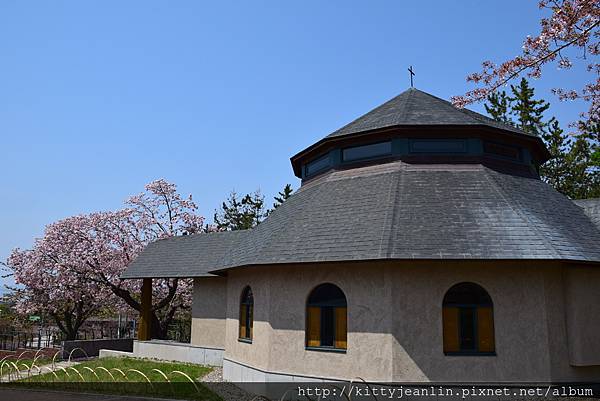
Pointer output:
x,y
93,347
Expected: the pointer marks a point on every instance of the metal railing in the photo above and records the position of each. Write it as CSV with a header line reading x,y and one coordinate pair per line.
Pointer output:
x,y
49,337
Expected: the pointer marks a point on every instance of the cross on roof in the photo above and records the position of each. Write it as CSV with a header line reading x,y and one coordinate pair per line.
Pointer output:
x,y
412,74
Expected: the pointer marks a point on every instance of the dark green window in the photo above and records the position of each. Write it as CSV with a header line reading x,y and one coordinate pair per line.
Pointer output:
x,y
437,146
317,165
367,151
505,151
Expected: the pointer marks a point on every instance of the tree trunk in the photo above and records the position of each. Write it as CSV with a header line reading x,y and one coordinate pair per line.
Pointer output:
x,y
158,329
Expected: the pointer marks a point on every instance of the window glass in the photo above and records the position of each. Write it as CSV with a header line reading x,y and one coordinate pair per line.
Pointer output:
x,y
246,314
367,151
327,326
501,150
437,146
468,320
326,318
317,165
467,329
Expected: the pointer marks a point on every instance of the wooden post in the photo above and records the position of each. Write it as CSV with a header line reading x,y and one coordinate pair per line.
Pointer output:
x,y
144,328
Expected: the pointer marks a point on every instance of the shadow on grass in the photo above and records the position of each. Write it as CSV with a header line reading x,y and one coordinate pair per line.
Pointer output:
x,y
124,376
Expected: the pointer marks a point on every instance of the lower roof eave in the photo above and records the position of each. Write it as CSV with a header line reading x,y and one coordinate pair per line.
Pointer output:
x,y
438,261
164,276
223,271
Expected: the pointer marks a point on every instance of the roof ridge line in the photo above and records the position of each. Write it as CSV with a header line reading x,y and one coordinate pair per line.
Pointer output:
x,y
505,196
474,115
259,250
450,105
370,111
502,125
393,196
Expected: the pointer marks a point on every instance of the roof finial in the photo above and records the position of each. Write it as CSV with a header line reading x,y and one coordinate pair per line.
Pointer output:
x,y
412,74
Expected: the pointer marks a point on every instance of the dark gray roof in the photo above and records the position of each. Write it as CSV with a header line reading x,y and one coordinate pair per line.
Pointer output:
x,y
183,256
394,211
591,207
417,108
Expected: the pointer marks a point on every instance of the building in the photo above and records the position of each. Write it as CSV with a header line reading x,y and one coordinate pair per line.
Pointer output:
x,y
421,246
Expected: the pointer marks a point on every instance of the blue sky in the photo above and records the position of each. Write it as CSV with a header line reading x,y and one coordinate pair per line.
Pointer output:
x,y
99,98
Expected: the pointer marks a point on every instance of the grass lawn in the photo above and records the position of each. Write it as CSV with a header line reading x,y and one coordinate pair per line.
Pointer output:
x,y
128,376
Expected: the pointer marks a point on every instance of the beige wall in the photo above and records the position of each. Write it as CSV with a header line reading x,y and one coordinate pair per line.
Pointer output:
x,y
395,326
209,308
582,293
279,308
519,323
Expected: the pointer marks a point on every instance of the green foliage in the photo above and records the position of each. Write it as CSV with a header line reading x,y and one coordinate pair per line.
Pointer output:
x,y
498,107
8,316
283,195
591,128
529,111
6,311
575,160
241,213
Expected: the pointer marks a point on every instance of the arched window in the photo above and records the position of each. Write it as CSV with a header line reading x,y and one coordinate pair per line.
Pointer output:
x,y
246,314
326,318
468,318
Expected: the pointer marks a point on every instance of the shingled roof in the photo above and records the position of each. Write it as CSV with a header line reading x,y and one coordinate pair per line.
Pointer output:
x,y
393,211
185,256
414,114
417,108
591,207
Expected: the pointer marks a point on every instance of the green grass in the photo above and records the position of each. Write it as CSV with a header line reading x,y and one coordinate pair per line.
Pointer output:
x,y
147,383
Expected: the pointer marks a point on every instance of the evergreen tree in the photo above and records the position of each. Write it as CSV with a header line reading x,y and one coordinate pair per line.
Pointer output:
x,y
591,128
241,213
583,177
528,111
574,167
554,171
498,107
283,196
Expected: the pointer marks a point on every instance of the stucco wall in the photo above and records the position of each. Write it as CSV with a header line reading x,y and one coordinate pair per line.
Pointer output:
x,y
395,325
582,293
279,317
209,309
519,323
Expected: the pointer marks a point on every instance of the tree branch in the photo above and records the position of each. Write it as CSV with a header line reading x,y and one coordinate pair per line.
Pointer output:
x,y
542,59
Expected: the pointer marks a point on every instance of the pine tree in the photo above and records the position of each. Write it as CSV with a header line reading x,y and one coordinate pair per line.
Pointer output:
x,y
592,129
254,208
283,196
498,107
528,111
555,170
574,167
240,213
583,177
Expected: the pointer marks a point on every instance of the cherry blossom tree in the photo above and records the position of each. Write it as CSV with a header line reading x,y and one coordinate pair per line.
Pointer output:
x,y
572,25
157,213
46,284
80,259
